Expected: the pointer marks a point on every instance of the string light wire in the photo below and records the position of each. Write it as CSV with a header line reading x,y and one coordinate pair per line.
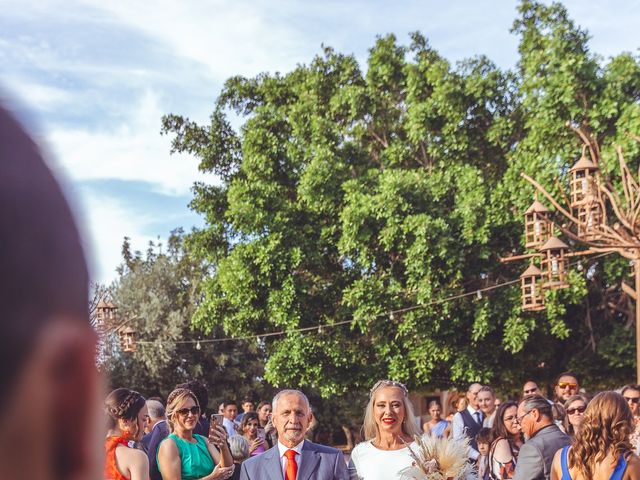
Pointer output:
x,y
390,314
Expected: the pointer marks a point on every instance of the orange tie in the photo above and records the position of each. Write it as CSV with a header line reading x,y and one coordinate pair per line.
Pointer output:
x,y
292,467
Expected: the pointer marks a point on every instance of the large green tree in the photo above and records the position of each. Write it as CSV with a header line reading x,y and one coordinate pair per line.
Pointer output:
x,y
346,195
157,292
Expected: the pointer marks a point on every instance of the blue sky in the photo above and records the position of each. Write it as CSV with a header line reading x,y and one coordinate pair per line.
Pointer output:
x,y
93,78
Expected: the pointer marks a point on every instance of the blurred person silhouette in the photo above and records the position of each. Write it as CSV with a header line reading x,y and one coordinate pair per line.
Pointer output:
x,y
50,425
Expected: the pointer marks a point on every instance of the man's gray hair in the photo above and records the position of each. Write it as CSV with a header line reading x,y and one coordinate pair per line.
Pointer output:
x,y
239,448
283,393
156,409
539,403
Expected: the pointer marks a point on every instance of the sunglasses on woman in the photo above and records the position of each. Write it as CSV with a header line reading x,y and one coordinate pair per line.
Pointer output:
x,y
632,399
186,411
572,411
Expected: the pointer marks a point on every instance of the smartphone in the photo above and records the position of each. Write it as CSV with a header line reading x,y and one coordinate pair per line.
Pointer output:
x,y
216,419
261,433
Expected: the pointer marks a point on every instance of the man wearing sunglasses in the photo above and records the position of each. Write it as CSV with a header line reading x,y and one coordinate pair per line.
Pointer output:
x,y
543,439
566,385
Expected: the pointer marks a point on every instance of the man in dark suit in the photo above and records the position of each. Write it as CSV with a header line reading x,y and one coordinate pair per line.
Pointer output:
x,y
293,457
542,439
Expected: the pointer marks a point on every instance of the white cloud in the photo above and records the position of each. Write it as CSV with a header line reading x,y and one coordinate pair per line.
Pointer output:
x,y
132,150
106,222
40,95
241,37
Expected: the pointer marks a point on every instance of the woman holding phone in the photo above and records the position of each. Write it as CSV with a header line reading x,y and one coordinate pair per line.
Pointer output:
x,y
184,455
249,428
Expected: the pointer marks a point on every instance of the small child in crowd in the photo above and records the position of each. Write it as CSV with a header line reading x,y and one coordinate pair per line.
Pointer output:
x,y
483,439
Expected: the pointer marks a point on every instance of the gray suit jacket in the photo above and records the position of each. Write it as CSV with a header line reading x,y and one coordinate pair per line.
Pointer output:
x,y
317,463
536,455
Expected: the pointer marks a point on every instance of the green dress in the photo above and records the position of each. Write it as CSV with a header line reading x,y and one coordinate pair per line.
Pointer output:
x,y
195,457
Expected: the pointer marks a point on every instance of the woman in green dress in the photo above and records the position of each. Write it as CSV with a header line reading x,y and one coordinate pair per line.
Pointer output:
x,y
184,455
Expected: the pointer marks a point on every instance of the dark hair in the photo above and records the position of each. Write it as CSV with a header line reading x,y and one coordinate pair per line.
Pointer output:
x,y
43,272
434,403
226,403
123,404
566,374
262,404
247,399
199,390
485,435
499,429
247,417
630,386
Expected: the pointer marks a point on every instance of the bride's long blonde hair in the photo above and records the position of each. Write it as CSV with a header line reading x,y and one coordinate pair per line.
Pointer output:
x,y
606,427
370,427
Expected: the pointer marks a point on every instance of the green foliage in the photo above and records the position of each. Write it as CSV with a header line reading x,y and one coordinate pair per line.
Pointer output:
x,y
345,196
158,293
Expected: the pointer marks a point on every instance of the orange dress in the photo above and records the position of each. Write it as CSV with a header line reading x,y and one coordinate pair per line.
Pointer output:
x,y
111,471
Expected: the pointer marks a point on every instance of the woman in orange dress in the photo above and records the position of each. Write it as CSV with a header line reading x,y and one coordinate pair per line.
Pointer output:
x,y
126,413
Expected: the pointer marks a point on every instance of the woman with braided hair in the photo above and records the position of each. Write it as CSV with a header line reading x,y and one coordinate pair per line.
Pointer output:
x,y
601,449
126,413
185,455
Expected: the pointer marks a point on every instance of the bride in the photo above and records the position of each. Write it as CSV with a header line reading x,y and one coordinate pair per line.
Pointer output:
x,y
389,428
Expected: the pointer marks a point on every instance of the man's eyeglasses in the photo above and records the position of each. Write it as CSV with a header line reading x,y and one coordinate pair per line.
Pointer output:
x,y
531,390
564,385
573,411
633,400
519,419
186,411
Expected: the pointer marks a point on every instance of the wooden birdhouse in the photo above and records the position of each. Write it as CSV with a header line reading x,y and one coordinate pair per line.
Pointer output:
x,y
583,181
554,263
537,225
127,336
531,285
106,313
590,219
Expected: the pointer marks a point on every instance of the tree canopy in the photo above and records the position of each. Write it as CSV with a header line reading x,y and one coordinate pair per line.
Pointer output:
x,y
346,194
157,293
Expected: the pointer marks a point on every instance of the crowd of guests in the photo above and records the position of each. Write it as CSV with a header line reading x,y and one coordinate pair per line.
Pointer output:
x,y
570,436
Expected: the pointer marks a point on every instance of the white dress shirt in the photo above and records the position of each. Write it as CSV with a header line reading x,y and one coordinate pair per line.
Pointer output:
x,y
283,460
229,426
457,429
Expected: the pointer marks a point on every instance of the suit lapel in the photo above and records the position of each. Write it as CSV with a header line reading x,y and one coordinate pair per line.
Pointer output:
x,y
310,460
271,463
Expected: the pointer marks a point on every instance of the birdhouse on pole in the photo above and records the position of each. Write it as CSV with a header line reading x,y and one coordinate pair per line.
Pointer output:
x,y
583,181
531,285
537,225
554,263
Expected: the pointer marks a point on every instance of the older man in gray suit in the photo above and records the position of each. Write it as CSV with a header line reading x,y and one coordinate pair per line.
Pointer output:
x,y
293,457
542,439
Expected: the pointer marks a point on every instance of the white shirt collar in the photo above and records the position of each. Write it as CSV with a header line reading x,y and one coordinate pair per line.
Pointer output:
x,y
472,410
282,449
